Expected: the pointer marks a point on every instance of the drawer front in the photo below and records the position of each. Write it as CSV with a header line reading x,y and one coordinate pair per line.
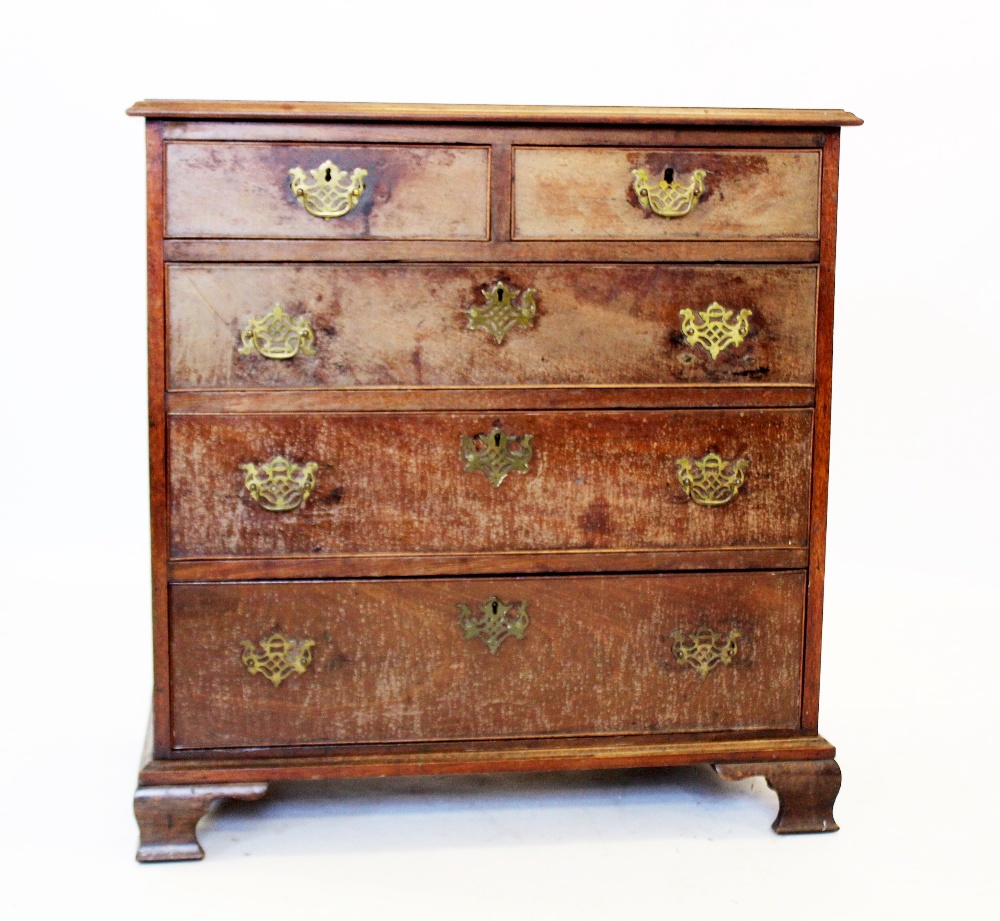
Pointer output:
x,y
259,664
408,482
579,193
352,325
245,190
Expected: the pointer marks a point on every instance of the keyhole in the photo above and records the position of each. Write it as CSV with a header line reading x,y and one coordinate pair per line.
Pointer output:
x,y
496,439
495,607
328,174
668,175
500,291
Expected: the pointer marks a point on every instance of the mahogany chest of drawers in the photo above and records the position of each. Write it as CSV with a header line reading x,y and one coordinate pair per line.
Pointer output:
x,y
485,439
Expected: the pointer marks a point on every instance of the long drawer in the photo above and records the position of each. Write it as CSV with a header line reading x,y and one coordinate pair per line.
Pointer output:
x,y
402,192
262,664
358,325
318,484
607,193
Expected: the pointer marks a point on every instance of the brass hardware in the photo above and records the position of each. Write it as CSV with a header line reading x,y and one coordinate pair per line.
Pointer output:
x,y
711,480
332,194
281,657
279,485
496,453
494,622
704,649
500,315
669,198
716,332
277,335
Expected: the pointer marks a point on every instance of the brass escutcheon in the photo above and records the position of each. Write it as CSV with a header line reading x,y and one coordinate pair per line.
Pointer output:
x,y
332,193
711,480
669,198
277,335
280,658
501,314
704,649
495,453
716,331
494,622
280,485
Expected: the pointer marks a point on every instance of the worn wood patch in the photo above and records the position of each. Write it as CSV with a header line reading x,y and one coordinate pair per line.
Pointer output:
x,y
408,325
390,661
242,190
580,193
397,483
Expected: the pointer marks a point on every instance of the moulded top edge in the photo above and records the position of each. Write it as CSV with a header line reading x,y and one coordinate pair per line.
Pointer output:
x,y
409,112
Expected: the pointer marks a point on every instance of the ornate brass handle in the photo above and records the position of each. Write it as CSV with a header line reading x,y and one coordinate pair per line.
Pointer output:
x,y
501,314
711,480
704,649
495,453
716,331
494,622
669,198
332,193
277,335
280,657
280,485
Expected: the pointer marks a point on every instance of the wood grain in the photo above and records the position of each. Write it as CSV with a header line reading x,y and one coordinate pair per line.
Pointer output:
x,y
422,112
445,564
806,792
242,190
348,132
383,399
168,817
711,251
390,662
469,757
581,193
396,482
821,435
408,325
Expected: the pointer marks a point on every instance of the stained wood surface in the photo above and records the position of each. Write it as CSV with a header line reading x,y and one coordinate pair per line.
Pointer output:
x,y
453,564
243,190
660,251
586,194
396,482
168,817
356,111
806,792
380,399
315,762
391,663
496,134
408,325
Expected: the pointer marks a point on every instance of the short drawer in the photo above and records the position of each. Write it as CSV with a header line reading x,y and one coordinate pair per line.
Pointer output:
x,y
360,325
597,193
246,190
261,664
320,484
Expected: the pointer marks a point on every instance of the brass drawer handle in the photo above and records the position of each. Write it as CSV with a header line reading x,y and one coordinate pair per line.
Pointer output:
x,y
716,331
281,657
332,194
495,453
711,480
494,622
669,198
704,649
277,335
280,485
501,315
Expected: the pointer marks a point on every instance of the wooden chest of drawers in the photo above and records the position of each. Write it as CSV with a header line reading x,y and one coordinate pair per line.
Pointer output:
x,y
486,439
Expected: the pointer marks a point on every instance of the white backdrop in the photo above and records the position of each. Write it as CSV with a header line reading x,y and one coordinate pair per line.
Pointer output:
x,y
909,693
